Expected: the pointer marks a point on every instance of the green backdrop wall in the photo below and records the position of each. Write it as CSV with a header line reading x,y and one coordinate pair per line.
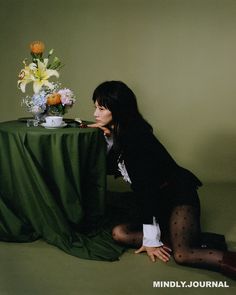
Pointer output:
x,y
177,55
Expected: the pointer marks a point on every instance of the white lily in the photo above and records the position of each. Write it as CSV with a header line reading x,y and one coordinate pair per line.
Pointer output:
x,y
38,74
26,76
42,74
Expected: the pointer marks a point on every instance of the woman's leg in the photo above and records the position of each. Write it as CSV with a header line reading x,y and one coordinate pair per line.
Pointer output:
x,y
122,210
184,237
128,234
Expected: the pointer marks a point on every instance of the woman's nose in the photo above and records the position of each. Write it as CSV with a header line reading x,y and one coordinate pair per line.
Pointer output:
x,y
95,113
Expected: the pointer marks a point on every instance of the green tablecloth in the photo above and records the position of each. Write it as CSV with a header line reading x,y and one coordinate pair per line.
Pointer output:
x,y
52,182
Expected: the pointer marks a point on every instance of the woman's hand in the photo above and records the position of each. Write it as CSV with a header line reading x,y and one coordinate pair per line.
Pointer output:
x,y
154,253
106,131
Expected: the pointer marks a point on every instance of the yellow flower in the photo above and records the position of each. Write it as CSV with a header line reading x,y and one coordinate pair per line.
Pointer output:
x,y
37,47
42,74
38,74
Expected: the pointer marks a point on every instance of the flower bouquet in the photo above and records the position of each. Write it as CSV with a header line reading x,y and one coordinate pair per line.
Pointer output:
x,y
48,97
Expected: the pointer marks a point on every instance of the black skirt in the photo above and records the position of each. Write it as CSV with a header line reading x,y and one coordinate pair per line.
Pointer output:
x,y
178,189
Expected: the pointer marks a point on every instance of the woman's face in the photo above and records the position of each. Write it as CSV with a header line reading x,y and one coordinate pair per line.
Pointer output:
x,y
102,115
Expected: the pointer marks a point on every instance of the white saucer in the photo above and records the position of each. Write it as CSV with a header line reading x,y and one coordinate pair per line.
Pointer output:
x,y
45,125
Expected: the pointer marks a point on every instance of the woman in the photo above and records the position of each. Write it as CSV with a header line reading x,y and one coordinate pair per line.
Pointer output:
x,y
165,193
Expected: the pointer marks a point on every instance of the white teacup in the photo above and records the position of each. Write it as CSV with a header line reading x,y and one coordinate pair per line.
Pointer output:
x,y
54,121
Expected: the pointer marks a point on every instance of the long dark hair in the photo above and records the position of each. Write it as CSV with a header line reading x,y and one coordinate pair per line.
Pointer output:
x,y
120,100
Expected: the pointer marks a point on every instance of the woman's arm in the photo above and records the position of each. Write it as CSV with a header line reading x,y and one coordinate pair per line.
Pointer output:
x,y
152,234
105,130
152,244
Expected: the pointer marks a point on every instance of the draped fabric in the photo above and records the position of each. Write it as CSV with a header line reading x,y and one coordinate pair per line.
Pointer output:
x,y
53,185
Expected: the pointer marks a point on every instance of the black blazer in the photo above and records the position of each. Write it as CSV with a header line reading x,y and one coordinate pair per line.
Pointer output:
x,y
151,168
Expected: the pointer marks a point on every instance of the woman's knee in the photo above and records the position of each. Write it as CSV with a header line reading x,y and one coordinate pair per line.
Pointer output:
x,y
181,257
119,233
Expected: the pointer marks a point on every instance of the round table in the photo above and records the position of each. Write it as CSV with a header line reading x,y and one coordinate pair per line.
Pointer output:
x,y
51,182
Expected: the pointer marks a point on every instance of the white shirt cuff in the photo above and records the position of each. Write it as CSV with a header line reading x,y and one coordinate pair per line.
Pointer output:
x,y
152,235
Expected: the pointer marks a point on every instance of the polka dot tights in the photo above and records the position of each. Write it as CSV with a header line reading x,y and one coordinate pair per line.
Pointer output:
x,y
184,232
184,237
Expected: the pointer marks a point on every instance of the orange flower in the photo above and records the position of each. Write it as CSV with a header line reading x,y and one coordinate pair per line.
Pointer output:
x,y
54,99
37,47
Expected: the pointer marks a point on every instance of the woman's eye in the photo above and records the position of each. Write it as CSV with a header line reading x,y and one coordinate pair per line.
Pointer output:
x,y
100,108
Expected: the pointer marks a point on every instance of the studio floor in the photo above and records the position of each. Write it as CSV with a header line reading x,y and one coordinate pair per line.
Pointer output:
x,y
41,269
